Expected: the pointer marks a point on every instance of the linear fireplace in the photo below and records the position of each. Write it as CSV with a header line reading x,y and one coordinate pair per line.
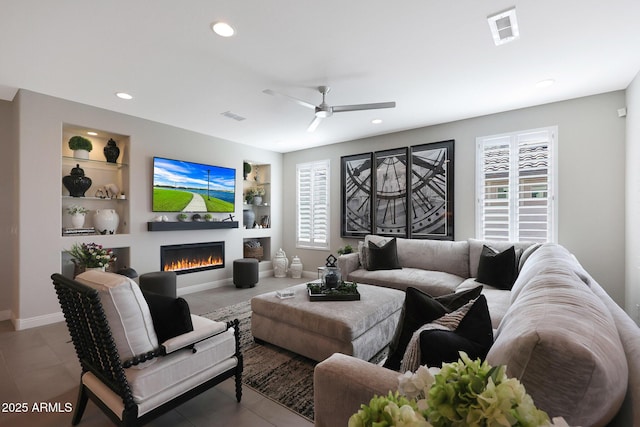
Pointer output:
x,y
192,257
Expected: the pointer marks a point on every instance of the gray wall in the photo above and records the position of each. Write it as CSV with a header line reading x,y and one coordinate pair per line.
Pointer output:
x,y
633,200
8,207
40,243
591,183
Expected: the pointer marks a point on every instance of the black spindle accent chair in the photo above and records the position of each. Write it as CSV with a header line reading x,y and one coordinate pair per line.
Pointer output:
x,y
105,375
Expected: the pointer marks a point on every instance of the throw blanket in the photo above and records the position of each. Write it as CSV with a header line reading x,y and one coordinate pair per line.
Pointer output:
x,y
448,322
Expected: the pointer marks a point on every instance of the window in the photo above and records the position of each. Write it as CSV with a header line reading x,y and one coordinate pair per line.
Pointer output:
x,y
312,212
516,181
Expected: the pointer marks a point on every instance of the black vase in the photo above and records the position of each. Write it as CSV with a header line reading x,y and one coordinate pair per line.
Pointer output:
x,y
111,151
76,183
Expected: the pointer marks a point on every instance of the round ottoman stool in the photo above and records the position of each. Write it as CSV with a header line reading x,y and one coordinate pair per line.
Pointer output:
x,y
159,282
245,272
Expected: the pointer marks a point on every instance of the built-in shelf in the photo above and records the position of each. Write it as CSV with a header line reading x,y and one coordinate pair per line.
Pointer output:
x,y
191,225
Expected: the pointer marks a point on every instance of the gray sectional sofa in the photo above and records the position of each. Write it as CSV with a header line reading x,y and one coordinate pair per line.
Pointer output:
x,y
575,350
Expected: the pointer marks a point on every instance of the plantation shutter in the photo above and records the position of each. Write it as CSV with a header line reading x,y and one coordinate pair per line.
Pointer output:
x,y
312,228
515,187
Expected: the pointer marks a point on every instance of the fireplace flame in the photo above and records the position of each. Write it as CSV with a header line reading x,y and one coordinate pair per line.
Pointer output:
x,y
190,264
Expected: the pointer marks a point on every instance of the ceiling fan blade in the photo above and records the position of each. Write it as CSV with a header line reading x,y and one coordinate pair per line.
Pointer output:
x,y
314,124
290,98
357,107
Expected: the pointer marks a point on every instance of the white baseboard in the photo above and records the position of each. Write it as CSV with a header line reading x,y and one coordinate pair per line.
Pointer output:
x,y
34,322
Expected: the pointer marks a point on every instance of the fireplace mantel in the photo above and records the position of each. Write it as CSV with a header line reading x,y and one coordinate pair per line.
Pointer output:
x,y
190,225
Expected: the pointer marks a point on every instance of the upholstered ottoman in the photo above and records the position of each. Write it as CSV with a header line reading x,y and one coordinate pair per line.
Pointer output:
x,y
317,329
245,272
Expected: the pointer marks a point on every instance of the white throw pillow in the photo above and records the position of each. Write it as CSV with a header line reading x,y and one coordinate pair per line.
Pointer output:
x,y
127,313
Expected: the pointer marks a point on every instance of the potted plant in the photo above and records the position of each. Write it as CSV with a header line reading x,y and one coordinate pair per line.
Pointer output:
x,y
80,146
208,217
256,194
77,213
182,217
346,250
247,169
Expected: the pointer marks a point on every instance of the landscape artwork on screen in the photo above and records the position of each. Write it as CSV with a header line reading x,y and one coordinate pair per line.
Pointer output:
x,y
180,186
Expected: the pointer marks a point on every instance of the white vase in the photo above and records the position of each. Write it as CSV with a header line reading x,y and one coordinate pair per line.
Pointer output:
x,y
280,264
257,200
77,220
81,154
106,221
296,268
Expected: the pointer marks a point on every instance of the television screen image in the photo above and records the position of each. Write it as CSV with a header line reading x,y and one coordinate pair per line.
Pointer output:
x,y
180,186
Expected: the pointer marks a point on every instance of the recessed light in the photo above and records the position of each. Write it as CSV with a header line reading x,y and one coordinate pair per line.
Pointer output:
x,y
545,83
223,29
92,133
123,95
376,121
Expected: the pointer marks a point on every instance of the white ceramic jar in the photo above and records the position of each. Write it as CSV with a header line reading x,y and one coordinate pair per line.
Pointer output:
x,y
280,264
106,221
296,268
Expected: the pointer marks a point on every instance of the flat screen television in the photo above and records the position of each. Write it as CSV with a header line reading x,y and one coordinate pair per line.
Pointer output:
x,y
180,186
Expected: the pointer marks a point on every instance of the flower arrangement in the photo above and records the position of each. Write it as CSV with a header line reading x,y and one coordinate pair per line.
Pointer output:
x,y
91,255
463,393
77,209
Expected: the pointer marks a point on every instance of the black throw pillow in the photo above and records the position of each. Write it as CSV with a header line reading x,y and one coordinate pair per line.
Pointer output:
x,y
474,336
171,316
383,257
498,269
420,308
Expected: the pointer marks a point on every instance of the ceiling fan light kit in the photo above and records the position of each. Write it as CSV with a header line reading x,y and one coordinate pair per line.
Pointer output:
x,y
325,110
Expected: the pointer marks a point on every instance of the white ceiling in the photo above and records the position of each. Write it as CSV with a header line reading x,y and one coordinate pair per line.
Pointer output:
x,y
435,59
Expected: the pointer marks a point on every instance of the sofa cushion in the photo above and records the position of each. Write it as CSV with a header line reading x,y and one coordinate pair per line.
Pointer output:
x,y
434,282
383,256
498,300
473,335
421,308
171,316
475,249
561,342
435,255
498,269
127,313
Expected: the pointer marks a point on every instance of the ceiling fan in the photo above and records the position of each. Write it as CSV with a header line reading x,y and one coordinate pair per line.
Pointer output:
x,y
325,110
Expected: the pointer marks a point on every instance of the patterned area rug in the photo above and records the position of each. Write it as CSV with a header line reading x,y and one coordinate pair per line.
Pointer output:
x,y
278,374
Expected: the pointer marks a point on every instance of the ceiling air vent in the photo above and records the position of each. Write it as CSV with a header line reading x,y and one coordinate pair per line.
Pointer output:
x,y
504,26
234,116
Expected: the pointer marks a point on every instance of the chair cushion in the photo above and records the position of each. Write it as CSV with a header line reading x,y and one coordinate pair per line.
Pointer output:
x,y
171,316
172,375
421,308
127,313
169,371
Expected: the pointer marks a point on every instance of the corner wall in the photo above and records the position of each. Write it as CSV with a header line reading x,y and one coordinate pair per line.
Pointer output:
x,y
632,284
8,227
590,189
